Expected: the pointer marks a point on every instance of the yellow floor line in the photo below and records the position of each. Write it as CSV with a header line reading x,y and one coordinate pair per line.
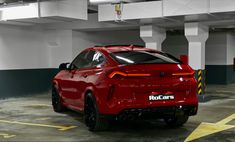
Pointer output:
x,y
226,120
205,129
43,118
6,136
61,128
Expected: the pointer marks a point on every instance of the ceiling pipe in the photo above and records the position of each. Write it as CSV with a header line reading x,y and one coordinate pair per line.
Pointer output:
x,y
97,2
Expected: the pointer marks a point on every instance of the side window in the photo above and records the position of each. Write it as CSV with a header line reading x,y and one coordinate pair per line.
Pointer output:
x,y
80,61
94,58
88,59
97,59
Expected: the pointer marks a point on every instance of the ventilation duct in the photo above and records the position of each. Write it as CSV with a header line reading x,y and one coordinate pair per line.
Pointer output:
x,y
6,2
44,12
97,2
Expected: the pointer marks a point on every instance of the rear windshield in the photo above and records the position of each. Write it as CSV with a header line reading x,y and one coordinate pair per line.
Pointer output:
x,y
144,57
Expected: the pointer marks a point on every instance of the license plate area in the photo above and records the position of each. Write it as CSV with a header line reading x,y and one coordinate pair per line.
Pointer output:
x,y
161,97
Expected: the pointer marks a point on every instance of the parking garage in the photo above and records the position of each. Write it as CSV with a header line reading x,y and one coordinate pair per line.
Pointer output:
x,y
36,36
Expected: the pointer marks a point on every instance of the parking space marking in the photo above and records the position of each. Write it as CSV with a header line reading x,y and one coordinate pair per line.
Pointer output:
x,y
6,136
226,120
205,129
60,128
43,118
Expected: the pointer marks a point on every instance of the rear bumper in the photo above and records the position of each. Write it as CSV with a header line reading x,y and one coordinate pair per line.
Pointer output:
x,y
158,112
188,106
128,95
170,110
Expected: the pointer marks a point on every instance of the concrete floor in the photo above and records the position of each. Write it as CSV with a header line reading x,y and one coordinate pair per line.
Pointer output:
x,y
32,119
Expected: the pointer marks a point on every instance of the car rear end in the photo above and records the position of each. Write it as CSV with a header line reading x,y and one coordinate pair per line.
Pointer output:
x,y
150,84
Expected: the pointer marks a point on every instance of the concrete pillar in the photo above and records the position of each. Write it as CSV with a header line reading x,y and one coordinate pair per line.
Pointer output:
x,y
197,34
153,36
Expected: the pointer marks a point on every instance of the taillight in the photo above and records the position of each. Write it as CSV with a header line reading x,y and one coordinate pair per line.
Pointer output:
x,y
183,74
114,73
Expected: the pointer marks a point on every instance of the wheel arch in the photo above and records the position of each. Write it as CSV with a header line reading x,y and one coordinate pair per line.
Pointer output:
x,y
95,97
55,84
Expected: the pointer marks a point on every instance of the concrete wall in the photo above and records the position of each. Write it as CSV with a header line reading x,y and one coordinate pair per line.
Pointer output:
x,y
29,58
216,69
82,40
230,57
21,48
220,49
175,44
230,48
216,48
59,44
220,52
23,62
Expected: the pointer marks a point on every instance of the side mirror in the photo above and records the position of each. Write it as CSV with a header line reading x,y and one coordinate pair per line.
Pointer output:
x,y
64,66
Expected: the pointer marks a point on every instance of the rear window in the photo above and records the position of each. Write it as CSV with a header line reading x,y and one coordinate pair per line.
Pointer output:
x,y
144,57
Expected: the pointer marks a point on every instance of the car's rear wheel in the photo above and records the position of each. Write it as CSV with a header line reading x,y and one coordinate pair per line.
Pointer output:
x,y
56,101
177,120
93,119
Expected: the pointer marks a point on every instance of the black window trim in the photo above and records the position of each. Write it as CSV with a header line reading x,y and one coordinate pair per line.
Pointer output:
x,y
72,63
171,56
90,67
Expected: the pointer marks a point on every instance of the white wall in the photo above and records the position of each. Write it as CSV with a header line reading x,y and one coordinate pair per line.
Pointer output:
x,y
216,49
174,44
83,40
220,48
230,48
23,48
59,44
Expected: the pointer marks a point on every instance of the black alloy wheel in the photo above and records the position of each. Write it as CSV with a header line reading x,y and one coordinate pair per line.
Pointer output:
x,y
56,101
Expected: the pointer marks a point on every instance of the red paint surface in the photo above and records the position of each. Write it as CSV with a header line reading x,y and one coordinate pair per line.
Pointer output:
x,y
119,92
184,59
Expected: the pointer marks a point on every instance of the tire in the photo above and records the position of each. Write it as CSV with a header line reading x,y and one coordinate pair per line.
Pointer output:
x,y
93,119
56,101
176,121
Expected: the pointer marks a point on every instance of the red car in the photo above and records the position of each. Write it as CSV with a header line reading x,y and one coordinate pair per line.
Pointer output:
x,y
126,82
